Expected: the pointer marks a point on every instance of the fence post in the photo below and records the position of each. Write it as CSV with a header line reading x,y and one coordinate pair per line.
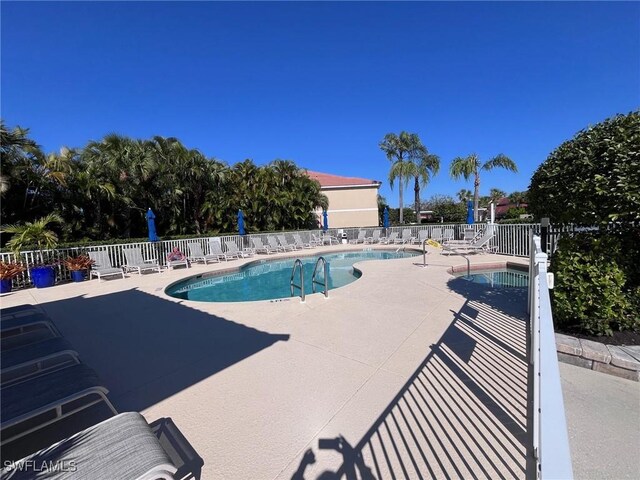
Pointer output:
x,y
544,231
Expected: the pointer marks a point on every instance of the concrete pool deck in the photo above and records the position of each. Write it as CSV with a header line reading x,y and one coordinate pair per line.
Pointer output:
x,y
421,374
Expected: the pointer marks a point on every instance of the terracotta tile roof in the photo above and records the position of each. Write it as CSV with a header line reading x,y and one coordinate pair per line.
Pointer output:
x,y
328,180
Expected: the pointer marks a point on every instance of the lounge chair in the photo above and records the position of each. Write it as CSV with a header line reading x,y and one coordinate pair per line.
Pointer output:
x,y
374,238
273,243
171,264
422,236
35,358
447,235
197,255
390,239
299,243
135,262
282,239
73,387
436,234
481,245
19,310
123,446
360,238
406,237
216,249
102,266
233,249
11,326
316,241
260,247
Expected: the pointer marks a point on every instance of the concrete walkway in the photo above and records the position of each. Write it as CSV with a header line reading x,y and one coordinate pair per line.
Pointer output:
x,y
405,373
603,419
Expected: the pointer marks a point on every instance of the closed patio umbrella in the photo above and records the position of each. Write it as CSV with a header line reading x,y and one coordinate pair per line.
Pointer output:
x,y
470,212
153,236
241,230
325,221
385,218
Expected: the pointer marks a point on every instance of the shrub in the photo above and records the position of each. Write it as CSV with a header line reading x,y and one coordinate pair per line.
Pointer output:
x,y
591,293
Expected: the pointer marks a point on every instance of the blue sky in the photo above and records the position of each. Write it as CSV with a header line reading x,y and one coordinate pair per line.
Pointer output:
x,y
322,83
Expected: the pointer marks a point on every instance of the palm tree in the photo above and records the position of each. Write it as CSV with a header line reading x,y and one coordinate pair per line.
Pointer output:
x,y
422,169
470,166
34,233
464,195
401,150
496,194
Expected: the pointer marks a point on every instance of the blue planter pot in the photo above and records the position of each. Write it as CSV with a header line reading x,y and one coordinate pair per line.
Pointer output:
x,y
43,277
78,275
5,285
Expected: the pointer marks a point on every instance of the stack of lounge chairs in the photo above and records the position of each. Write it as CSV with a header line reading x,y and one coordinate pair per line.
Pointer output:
x,y
42,382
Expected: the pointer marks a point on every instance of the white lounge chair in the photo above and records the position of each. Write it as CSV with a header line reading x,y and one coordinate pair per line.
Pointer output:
x,y
260,247
360,238
406,237
233,249
197,255
390,239
299,242
215,248
447,235
481,245
123,446
436,234
135,262
102,266
282,240
374,238
273,243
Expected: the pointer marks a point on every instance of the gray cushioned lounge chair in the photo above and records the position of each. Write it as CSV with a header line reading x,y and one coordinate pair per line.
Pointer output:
x,y
282,239
422,236
75,387
216,249
16,325
299,242
390,239
374,238
233,249
362,235
197,255
102,266
135,262
121,447
35,359
261,247
19,310
274,245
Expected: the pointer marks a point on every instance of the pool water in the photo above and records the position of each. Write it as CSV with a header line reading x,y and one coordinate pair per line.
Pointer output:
x,y
509,278
269,279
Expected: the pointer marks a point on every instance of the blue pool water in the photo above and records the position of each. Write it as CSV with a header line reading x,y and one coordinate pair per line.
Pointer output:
x,y
509,278
269,279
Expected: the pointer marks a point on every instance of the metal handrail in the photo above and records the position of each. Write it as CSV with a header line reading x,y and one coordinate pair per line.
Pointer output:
x,y
424,252
293,286
314,282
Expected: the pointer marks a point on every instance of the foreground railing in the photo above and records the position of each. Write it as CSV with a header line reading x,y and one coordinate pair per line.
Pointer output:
x,y
550,439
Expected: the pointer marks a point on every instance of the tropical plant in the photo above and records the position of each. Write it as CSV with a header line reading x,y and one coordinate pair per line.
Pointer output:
x,y
593,178
402,150
80,262
471,165
496,194
464,195
8,270
422,168
33,234
518,197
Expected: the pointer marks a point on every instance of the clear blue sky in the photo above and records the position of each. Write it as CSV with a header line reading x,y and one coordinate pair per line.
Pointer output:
x,y
322,83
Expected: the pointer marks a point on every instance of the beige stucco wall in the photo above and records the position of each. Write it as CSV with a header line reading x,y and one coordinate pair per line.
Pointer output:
x,y
352,207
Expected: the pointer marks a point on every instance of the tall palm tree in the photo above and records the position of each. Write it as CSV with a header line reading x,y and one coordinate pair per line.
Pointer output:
x,y
470,166
400,151
422,169
496,194
464,195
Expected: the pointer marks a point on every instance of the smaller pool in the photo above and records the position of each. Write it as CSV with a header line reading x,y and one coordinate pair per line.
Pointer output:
x,y
506,278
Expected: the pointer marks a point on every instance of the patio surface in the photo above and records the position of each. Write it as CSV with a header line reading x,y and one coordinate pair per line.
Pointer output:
x,y
421,374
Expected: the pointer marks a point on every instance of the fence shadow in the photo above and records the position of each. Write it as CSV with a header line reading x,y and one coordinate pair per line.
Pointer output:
x,y
463,413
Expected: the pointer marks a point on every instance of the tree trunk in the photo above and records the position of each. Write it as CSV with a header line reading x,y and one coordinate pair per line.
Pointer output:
x,y
401,220
416,190
476,196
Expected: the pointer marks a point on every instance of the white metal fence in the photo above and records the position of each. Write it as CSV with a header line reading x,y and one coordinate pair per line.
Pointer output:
x,y
550,439
509,240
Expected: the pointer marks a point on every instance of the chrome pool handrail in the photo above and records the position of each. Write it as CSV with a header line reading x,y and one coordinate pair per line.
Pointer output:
x,y
314,282
293,286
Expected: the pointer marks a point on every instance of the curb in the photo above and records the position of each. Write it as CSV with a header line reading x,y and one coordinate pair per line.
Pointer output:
x,y
622,361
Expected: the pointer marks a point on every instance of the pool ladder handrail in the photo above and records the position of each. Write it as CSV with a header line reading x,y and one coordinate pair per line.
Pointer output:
x,y
314,282
293,286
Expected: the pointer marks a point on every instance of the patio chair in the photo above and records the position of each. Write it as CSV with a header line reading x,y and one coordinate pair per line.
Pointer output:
x,y
216,249
447,235
19,310
374,238
282,240
102,266
481,245
299,242
406,237
135,262
436,234
273,243
35,358
422,236
260,247
360,238
233,249
12,326
123,446
75,387
197,255
390,239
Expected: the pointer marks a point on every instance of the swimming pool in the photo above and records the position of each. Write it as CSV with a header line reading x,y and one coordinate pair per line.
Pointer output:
x,y
505,278
269,279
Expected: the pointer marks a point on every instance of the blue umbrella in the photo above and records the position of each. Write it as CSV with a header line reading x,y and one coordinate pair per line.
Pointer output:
x,y
325,221
153,236
385,218
241,223
470,212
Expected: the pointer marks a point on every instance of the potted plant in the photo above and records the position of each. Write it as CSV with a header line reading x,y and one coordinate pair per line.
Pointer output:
x,y
78,267
36,234
9,270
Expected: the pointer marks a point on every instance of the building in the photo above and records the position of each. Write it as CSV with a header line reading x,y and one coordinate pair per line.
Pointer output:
x,y
504,205
353,202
